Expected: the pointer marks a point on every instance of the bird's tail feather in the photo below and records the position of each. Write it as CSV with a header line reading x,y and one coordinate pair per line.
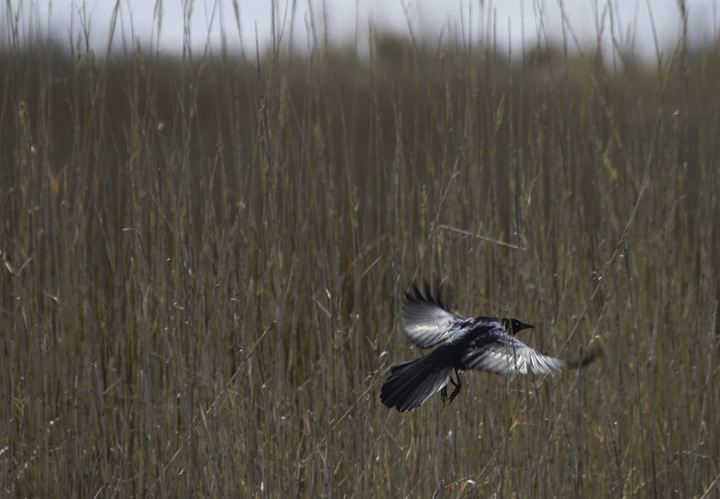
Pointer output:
x,y
412,383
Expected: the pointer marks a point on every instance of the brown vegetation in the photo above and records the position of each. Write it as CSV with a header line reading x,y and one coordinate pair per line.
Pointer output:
x,y
203,262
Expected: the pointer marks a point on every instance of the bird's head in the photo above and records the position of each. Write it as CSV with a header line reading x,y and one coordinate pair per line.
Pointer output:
x,y
513,326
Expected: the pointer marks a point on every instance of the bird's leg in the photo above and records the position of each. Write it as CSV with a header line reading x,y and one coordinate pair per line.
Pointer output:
x,y
457,386
456,389
443,391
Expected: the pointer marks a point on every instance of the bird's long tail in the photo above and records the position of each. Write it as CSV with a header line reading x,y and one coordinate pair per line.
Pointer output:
x,y
412,383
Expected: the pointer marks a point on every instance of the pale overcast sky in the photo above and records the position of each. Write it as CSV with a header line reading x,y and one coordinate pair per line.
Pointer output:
x,y
160,24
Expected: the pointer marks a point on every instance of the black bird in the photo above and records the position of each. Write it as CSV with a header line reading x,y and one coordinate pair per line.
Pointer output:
x,y
480,343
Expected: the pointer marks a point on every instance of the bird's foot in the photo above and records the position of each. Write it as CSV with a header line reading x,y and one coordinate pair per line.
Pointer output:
x,y
456,389
453,394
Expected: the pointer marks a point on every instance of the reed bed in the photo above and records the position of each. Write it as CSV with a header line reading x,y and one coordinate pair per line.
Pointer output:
x,y
204,258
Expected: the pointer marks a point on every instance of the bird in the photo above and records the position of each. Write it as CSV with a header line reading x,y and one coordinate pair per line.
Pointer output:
x,y
479,343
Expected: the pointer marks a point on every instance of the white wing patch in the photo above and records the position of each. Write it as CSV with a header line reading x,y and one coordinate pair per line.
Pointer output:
x,y
513,358
426,324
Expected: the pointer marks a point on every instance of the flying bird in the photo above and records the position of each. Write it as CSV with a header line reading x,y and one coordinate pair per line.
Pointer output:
x,y
480,343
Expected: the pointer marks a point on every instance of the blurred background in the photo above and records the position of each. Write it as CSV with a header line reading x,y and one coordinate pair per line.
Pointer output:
x,y
209,213
638,26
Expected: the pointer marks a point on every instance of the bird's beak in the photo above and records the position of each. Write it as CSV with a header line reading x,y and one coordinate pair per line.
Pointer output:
x,y
519,326
513,326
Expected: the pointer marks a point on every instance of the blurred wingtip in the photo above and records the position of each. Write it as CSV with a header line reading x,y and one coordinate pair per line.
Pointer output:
x,y
591,355
427,294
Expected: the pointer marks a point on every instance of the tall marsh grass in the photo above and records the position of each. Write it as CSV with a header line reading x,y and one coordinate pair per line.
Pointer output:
x,y
203,260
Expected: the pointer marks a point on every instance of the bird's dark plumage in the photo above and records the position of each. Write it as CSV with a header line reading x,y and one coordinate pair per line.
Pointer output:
x,y
480,343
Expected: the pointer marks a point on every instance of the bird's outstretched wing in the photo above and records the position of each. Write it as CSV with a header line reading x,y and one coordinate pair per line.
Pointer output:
x,y
505,354
425,320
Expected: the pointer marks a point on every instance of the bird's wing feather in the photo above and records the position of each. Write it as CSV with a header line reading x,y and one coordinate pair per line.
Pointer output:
x,y
425,320
508,355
